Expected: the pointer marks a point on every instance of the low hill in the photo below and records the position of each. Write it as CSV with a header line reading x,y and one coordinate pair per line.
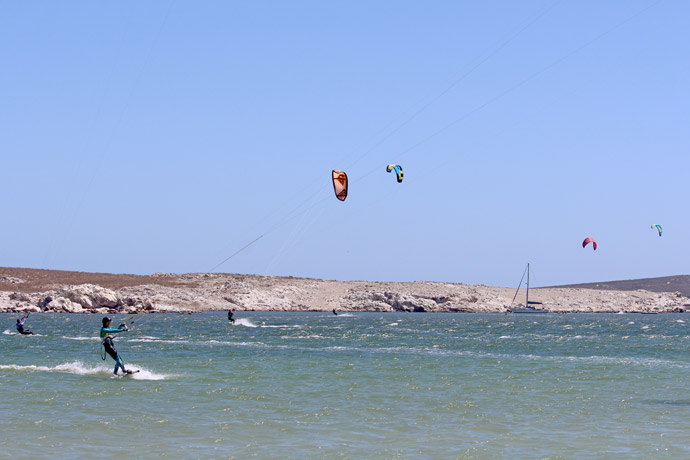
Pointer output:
x,y
31,280
679,283
34,290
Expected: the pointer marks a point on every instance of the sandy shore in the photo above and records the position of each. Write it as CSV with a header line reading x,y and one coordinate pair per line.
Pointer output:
x,y
63,291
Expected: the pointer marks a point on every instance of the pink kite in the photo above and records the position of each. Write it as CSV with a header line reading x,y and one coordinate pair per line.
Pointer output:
x,y
589,239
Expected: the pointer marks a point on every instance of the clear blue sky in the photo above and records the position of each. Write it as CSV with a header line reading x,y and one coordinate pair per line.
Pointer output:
x,y
150,136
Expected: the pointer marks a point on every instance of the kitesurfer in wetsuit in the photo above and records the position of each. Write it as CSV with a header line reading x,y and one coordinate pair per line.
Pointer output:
x,y
334,312
107,342
20,326
230,318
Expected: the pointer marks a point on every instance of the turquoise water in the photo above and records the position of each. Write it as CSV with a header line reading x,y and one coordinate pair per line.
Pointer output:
x,y
353,386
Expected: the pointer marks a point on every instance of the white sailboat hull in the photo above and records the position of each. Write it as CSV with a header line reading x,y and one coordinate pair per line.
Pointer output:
x,y
528,310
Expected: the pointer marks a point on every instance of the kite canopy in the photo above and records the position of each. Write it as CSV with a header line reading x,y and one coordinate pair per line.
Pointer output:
x,y
658,227
340,184
398,171
589,239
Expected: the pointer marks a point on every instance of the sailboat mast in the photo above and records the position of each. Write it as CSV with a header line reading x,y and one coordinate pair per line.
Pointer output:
x,y
527,295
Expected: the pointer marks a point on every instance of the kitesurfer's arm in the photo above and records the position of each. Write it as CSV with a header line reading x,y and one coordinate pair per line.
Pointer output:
x,y
113,330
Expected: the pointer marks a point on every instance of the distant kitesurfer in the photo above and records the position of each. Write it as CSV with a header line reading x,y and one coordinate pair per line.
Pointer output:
x,y
107,342
334,312
230,318
20,325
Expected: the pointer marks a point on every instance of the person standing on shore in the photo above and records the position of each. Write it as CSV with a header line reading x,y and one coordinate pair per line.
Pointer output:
x,y
107,343
20,325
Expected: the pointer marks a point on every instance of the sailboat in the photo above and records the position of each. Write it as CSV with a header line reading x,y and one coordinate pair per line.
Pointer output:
x,y
530,307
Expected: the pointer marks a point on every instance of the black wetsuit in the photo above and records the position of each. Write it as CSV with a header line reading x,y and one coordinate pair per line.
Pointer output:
x,y
230,317
110,347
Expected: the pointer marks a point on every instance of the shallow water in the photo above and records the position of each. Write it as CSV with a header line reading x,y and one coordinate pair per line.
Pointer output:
x,y
353,386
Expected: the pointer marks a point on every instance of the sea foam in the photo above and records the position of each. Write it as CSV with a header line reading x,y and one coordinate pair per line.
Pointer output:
x,y
75,367
244,322
79,368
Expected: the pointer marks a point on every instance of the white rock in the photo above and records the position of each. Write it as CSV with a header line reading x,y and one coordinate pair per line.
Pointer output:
x,y
62,304
91,295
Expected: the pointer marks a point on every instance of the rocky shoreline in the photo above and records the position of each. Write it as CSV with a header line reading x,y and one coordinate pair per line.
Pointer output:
x,y
33,290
